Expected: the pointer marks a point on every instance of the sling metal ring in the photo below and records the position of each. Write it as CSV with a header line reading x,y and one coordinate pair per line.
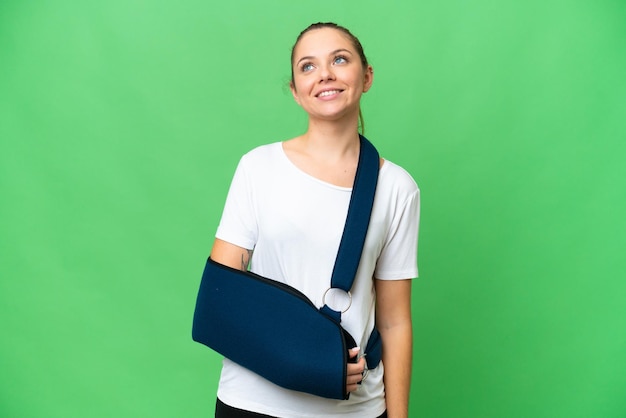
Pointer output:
x,y
349,302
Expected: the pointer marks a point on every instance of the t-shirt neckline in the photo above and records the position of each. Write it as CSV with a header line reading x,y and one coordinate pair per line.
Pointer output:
x,y
305,174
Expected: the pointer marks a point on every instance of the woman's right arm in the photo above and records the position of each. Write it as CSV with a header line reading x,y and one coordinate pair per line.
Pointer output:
x,y
230,255
238,257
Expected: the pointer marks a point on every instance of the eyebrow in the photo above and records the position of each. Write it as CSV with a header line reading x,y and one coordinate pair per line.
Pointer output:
x,y
336,51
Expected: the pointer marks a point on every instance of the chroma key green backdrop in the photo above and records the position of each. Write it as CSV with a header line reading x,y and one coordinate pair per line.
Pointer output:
x,y
121,123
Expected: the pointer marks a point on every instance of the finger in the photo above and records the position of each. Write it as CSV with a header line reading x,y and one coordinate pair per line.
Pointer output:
x,y
352,388
353,352
354,379
356,368
354,373
352,382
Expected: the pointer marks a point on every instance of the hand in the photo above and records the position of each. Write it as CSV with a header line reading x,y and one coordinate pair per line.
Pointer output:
x,y
355,371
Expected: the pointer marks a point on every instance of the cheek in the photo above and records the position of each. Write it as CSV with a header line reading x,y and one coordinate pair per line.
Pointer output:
x,y
301,86
355,77
298,90
294,93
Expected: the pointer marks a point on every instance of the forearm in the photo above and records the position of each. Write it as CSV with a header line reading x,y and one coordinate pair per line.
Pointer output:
x,y
397,361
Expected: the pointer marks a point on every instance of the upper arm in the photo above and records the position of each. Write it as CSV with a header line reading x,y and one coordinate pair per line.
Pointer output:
x,y
393,303
230,255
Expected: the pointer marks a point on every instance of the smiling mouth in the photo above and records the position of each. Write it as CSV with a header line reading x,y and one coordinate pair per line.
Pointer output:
x,y
329,93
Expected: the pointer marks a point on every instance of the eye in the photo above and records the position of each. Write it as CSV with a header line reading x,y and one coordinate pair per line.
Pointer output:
x,y
307,66
340,59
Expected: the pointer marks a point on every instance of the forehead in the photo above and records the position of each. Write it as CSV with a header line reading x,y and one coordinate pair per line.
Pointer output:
x,y
322,41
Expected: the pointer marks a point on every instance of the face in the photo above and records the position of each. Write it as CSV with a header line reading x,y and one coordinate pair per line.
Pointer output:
x,y
329,77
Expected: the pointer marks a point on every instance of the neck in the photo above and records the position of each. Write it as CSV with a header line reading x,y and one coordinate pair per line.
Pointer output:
x,y
336,137
329,151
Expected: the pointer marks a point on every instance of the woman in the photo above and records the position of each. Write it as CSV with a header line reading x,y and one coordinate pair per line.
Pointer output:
x,y
288,202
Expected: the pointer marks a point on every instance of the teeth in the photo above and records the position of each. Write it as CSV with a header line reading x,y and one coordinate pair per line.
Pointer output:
x,y
328,93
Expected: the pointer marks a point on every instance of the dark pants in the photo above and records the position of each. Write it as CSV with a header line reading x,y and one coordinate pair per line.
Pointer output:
x,y
225,411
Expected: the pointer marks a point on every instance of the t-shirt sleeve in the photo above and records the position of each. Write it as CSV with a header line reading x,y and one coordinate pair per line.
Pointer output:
x,y
238,223
398,258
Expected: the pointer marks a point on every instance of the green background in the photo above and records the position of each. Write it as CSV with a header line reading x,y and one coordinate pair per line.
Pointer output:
x,y
121,123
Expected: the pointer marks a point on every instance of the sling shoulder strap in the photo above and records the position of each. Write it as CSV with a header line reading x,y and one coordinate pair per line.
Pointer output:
x,y
358,218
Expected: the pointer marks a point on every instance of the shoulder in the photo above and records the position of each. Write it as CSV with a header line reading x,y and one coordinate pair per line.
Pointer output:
x,y
263,153
259,159
397,179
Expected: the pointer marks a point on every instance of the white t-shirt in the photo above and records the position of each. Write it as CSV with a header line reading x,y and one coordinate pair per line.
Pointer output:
x,y
294,223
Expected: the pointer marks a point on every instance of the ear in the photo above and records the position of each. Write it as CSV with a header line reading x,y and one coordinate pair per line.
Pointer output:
x,y
368,78
294,93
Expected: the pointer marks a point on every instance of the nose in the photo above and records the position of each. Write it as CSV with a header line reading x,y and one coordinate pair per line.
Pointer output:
x,y
326,73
